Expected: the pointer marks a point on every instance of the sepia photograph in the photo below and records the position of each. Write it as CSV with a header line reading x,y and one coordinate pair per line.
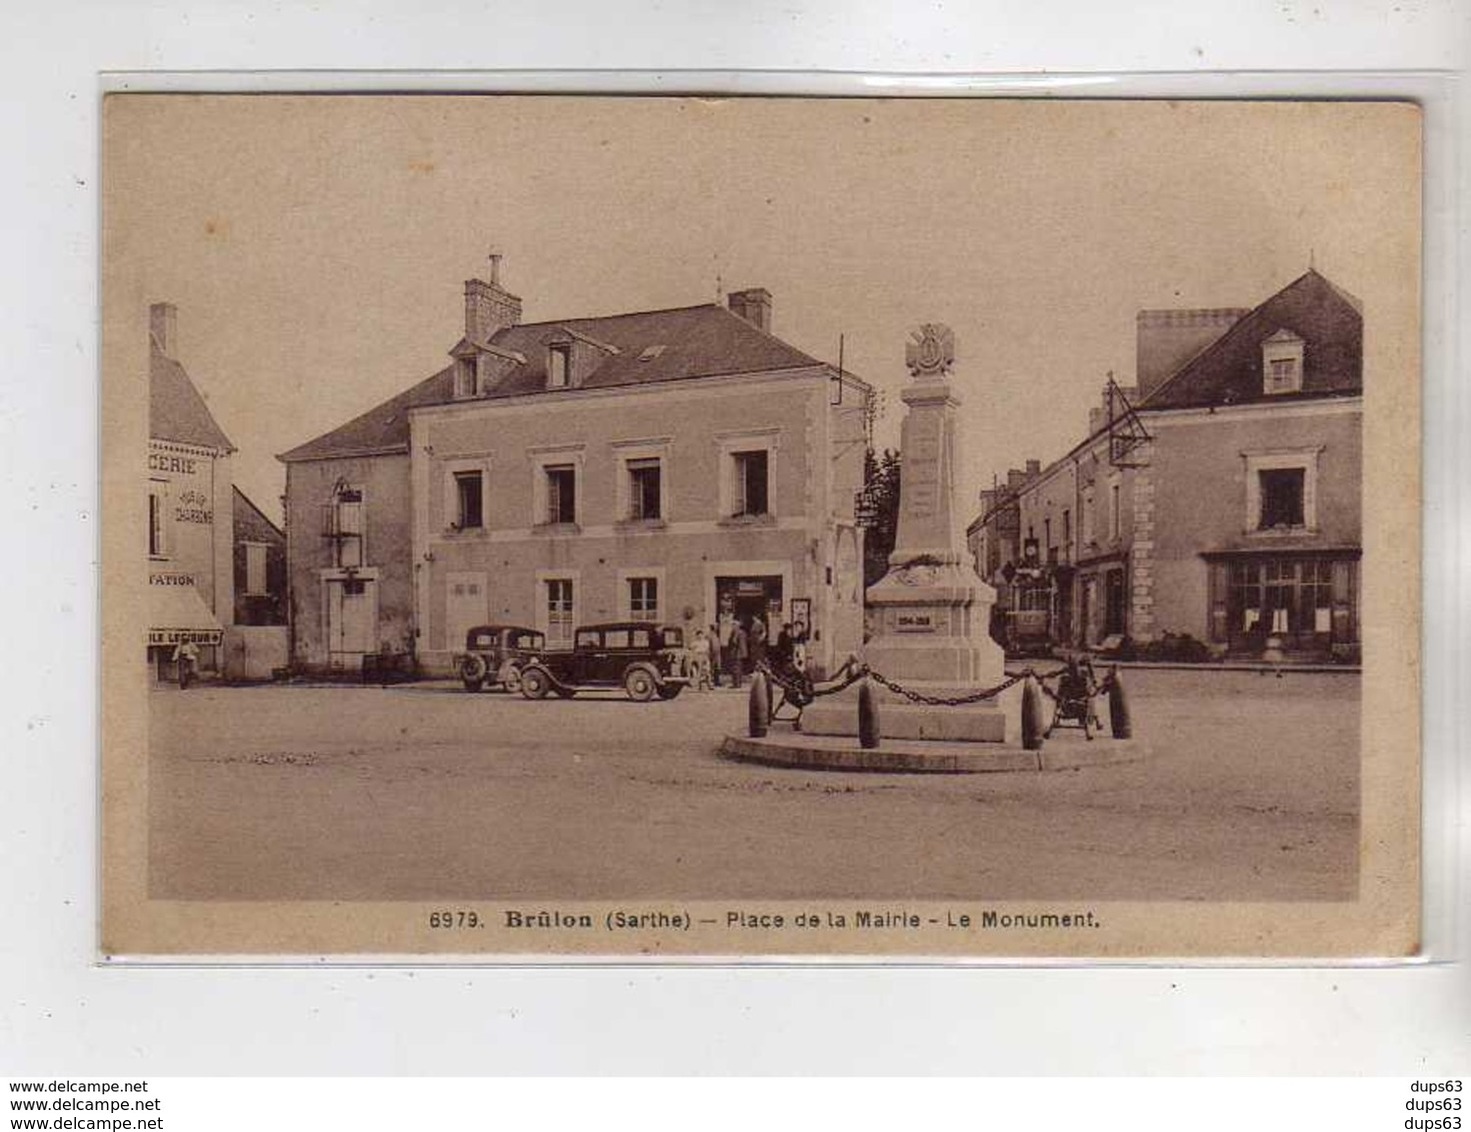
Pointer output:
x,y
760,528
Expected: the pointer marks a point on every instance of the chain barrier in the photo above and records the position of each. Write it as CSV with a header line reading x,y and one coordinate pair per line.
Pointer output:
x,y
946,701
800,690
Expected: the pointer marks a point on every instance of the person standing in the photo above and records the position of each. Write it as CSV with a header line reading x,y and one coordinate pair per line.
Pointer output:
x,y
186,658
756,645
782,651
736,654
700,661
712,642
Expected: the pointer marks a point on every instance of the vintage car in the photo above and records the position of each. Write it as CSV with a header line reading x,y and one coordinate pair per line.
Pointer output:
x,y
643,659
495,654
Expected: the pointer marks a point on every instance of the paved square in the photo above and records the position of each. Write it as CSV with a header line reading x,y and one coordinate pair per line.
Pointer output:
x,y
427,792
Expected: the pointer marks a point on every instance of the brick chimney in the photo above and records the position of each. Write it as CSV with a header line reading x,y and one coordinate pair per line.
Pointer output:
x,y
163,325
489,307
753,305
1167,339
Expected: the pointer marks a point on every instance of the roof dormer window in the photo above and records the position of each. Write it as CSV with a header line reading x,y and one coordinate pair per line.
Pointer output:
x,y
465,377
1282,363
559,365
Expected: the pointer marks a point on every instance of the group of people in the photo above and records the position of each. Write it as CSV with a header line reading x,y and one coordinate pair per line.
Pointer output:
x,y
729,650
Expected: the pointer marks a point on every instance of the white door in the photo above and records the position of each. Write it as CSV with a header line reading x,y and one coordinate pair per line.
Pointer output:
x,y
352,615
466,605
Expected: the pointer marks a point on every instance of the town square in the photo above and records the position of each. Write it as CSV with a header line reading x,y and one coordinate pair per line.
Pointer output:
x,y
722,574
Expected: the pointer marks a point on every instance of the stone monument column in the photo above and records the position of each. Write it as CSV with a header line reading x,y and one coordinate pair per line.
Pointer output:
x,y
930,614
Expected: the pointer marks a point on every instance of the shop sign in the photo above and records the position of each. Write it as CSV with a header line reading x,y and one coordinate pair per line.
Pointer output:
x,y
178,465
193,507
178,636
170,578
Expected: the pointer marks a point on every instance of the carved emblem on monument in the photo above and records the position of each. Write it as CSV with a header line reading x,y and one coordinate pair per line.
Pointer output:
x,y
916,574
931,351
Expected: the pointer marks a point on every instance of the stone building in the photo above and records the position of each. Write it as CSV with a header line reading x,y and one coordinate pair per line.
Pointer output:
x,y
994,535
1220,496
665,465
191,592
1025,593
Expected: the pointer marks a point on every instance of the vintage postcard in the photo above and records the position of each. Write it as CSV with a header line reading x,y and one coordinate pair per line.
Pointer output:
x,y
589,527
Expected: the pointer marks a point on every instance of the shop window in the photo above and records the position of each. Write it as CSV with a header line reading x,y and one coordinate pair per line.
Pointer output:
x,y
561,487
750,497
1309,601
643,599
645,489
469,500
1281,498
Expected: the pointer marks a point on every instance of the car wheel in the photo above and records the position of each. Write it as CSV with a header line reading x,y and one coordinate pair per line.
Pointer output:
x,y
472,673
640,684
511,678
534,684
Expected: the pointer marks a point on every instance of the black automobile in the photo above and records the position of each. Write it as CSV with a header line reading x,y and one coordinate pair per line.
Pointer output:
x,y
495,654
643,659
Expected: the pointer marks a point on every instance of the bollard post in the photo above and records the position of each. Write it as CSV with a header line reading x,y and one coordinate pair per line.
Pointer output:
x,y
758,706
868,717
1032,726
1118,708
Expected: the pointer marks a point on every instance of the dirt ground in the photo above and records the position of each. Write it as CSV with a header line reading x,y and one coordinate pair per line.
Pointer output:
x,y
426,792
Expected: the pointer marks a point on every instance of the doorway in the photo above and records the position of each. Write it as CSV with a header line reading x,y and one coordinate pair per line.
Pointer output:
x,y
746,598
1113,604
352,618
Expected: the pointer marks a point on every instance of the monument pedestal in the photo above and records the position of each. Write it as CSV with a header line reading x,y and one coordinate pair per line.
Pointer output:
x,y
930,639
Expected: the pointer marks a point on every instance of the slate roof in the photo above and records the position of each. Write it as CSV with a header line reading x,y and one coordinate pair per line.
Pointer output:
x,y
1229,371
383,428
251,524
176,411
699,341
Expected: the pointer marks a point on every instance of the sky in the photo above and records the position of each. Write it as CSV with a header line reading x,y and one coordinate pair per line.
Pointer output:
x,y
317,248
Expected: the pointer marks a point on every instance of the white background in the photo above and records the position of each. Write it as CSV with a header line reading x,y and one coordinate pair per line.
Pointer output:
x,y
61,1014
